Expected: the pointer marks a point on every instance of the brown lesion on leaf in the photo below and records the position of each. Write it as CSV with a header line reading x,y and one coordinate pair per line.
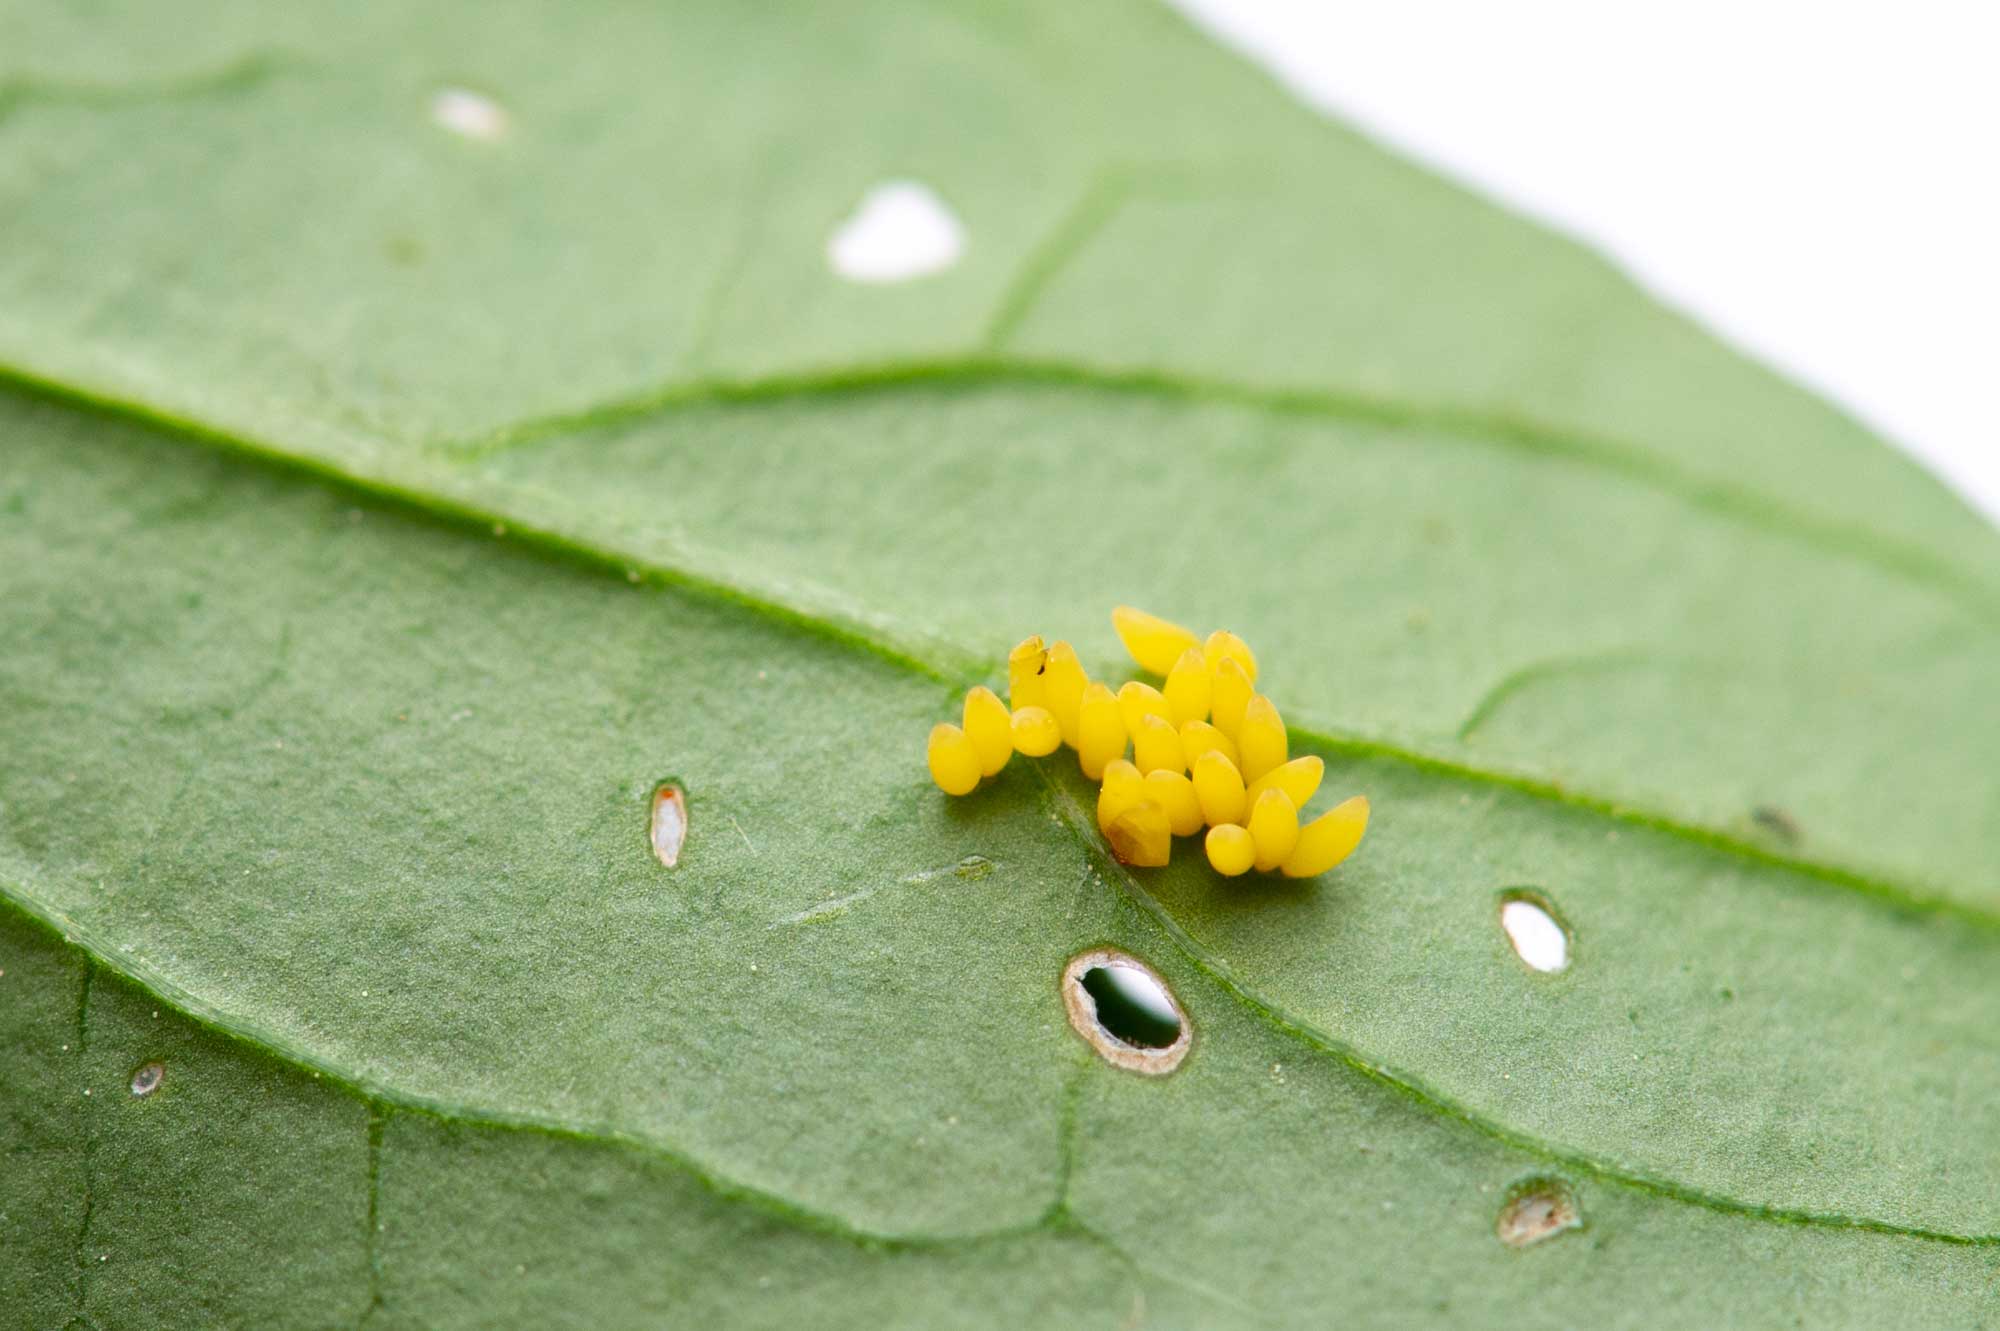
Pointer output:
x,y
1778,822
1537,1209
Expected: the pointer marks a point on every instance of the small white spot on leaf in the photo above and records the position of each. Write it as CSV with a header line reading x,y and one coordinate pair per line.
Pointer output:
x,y
469,114
147,1079
901,231
1537,937
670,824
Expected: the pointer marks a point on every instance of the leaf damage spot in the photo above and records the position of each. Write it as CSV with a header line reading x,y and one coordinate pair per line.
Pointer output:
x,y
1778,823
1539,938
469,114
147,1078
670,823
1536,1209
1124,1010
901,231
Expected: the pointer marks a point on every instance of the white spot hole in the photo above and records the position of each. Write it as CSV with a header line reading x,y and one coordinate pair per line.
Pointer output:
x,y
147,1079
670,824
901,231
1125,1011
1537,937
469,114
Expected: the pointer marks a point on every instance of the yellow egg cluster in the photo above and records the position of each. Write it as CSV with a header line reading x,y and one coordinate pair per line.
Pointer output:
x,y
1207,749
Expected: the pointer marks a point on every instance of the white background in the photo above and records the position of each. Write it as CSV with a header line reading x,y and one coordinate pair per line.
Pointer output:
x,y
1820,185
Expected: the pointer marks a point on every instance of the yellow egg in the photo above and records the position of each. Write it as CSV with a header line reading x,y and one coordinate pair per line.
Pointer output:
x,y
1198,737
954,762
1155,643
1224,644
1123,787
1142,836
1062,688
1328,839
1298,778
1274,826
1034,732
990,729
1173,792
1136,700
1100,730
1231,850
1218,787
1230,697
1025,665
1261,738
1157,746
1188,688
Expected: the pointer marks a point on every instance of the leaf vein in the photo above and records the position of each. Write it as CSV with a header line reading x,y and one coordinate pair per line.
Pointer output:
x,y
1515,433
956,667
1322,1042
244,73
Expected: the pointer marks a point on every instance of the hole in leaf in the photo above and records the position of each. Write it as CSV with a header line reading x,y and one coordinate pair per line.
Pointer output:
x,y
468,114
146,1079
901,231
1131,1007
1536,1209
1125,1011
670,823
1539,938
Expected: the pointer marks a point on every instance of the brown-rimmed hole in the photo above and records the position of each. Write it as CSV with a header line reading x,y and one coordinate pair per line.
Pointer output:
x,y
1125,1011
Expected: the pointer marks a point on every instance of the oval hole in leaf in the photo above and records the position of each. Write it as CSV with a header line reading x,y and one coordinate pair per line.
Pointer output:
x,y
669,824
1125,1011
1131,1007
1539,937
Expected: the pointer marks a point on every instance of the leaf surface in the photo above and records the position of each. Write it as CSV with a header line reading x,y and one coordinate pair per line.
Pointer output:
x,y
352,791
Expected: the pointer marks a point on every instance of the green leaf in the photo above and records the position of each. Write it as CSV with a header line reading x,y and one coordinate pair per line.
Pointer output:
x,y
422,503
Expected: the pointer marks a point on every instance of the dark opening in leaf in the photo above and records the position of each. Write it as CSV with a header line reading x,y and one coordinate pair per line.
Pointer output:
x,y
1123,1009
1131,1007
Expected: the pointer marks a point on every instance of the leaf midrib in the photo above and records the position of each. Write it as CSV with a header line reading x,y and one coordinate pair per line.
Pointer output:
x,y
959,668
1204,959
